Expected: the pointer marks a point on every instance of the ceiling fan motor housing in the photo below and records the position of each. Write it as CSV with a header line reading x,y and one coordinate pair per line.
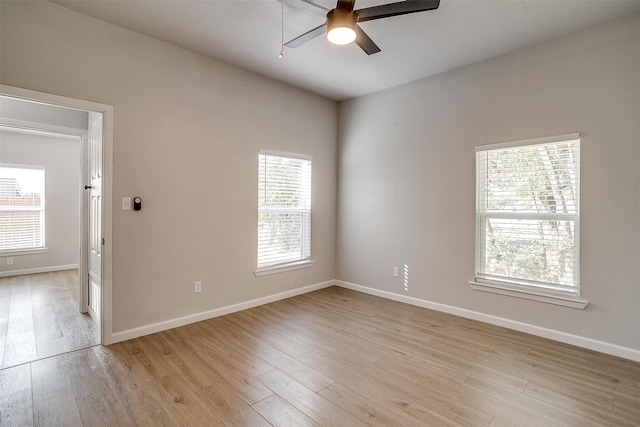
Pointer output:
x,y
338,19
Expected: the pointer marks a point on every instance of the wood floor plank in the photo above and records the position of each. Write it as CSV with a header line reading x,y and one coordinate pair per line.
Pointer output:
x,y
329,330
332,329
16,409
240,380
148,364
541,409
479,395
45,324
497,422
434,413
278,326
433,392
281,413
215,337
5,306
393,396
541,369
316,407
626,407
102,408
19,350
51,347
53,399
422,370
231,409
15,379
594,406
143,407
472,367
214,392
184,363
559,391
86,373
186,405
275,358
359,406
20,343
262,331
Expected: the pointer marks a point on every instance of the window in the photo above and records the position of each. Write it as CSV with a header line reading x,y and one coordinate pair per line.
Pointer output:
x,y
21,208
528,215
284,210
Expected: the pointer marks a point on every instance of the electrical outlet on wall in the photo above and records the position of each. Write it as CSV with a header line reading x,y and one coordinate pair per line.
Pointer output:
x,y
9,261
395,272
197,287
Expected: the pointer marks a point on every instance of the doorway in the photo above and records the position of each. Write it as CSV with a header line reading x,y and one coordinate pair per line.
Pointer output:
x,y
92,278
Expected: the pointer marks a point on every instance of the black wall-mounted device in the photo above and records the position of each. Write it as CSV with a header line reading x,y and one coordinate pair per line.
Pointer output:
x,y
137,203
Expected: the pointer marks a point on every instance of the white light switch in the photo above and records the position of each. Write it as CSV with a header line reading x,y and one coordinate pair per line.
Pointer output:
x,y
126,203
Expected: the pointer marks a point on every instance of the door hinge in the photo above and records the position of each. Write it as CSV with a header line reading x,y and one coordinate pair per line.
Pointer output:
x,y
103,240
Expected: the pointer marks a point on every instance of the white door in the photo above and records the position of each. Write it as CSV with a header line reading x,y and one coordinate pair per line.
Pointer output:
x,y
95,213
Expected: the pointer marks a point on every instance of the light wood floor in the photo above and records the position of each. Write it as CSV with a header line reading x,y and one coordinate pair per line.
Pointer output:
x,y
333,357
39,317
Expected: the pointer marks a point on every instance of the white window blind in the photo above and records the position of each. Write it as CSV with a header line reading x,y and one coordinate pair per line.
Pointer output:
x,y
528,212
21,208
284,210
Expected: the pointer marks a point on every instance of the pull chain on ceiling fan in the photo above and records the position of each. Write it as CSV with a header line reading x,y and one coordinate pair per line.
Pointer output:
x,y
342,21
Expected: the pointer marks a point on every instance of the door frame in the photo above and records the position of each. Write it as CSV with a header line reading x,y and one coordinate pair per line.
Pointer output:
x,y
106,323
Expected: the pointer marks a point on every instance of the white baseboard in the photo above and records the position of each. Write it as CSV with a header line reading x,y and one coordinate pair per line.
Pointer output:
x,y
205,315
584,342
38,270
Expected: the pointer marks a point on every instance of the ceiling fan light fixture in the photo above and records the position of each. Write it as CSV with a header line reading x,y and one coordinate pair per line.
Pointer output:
x,y
341,26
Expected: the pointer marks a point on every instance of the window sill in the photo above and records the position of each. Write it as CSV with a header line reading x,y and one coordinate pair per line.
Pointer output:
x,y
502,289
283,267
18,252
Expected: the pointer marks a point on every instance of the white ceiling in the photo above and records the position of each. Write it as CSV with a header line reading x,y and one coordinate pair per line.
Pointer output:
x,y
247,34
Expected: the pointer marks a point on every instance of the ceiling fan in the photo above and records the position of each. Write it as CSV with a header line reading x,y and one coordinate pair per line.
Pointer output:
x,y
342,21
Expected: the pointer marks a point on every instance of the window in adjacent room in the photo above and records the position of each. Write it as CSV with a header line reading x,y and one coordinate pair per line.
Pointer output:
x,y
21,208
284,211
528,216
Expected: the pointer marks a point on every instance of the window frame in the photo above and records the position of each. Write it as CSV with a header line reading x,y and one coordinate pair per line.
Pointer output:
x,y
529,289
305,260
41,208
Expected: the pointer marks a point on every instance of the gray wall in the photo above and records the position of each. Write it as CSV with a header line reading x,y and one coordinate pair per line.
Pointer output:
x,y
187,131
60,156
407,179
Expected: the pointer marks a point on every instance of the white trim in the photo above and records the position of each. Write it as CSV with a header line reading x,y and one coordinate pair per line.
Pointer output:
x,y
285,154
38,270
547,216
570,137
497,288
12,124
282,268
107,188
210,314
51,99
21,252
584,342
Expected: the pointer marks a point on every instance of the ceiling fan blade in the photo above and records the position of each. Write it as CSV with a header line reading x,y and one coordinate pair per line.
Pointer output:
x,y
365,42
308,6
308,36
395,9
